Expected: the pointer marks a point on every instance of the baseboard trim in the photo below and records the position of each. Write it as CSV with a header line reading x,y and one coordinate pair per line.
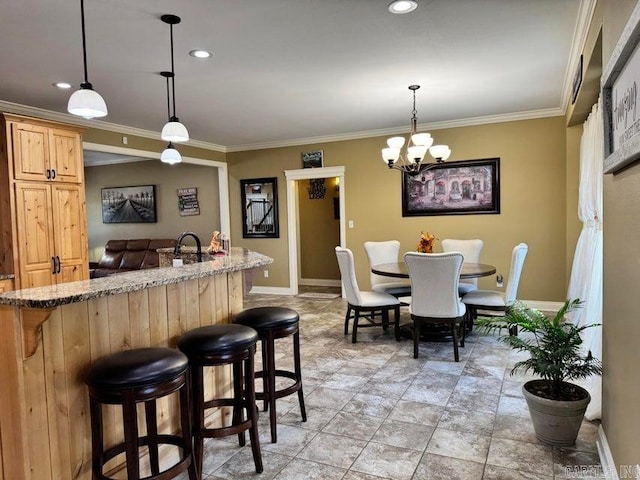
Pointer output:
x,y
271,290
606,459
543,305
319,282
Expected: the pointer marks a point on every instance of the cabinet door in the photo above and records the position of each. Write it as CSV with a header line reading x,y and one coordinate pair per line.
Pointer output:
x,y
65,156
6,285
35,234
70,238
30,152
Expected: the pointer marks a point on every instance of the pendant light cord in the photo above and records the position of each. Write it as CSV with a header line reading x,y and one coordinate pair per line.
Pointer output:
x,y
84,44
173,74
168,101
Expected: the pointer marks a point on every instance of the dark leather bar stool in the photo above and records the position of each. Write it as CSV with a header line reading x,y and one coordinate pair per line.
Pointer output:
x,y
217,345
128,378
272,323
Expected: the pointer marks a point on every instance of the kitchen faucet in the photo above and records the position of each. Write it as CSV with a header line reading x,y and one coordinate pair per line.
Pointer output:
x,y
176,250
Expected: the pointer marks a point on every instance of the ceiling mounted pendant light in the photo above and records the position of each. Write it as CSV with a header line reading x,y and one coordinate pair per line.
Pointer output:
x,y
169,155
417,147
173,131
86,102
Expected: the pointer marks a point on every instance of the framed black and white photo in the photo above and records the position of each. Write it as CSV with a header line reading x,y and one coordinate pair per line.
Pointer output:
x,y
259,198
452,188
129,204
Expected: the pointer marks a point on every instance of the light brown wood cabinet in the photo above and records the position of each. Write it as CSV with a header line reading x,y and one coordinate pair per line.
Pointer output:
x,y
42,176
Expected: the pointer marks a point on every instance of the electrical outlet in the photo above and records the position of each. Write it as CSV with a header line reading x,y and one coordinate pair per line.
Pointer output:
x,y
266,274
177,262
350,223
124,140
499,281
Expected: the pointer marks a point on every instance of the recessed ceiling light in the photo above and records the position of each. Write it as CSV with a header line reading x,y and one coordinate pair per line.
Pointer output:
x,y
200,53
403,6
63,85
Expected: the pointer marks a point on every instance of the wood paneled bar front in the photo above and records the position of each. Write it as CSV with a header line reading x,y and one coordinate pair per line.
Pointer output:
x,y
50,336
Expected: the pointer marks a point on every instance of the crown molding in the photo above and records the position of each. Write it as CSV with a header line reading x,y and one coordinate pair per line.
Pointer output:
x,y
465,122
581,31
19,109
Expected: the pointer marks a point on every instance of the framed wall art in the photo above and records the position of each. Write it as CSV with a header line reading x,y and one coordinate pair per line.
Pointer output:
x,y
312,159
129,204
452,188
620,99
260,207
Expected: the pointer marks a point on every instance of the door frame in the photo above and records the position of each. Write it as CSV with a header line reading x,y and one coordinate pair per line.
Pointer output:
x,y
292,213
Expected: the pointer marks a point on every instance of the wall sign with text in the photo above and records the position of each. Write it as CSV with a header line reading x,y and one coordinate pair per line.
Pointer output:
x,y
188,201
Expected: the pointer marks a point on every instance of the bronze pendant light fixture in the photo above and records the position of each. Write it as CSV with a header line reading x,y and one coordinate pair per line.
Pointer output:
x,y
169,155
173,131
86,102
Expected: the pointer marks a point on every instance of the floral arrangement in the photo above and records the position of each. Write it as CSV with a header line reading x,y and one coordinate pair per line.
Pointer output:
x,y
426,243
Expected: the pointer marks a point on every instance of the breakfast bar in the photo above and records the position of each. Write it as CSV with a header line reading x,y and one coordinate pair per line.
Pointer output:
x,y
50,336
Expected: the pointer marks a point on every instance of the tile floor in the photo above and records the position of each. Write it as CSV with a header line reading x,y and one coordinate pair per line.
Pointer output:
x,y
375,412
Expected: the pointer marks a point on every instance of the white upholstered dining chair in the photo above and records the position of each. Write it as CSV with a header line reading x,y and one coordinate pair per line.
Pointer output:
x,y
434,293
385,252
363,304
470,250
494,300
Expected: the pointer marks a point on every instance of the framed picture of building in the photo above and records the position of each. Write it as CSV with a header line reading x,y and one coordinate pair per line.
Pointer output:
x,y
452,188
129,204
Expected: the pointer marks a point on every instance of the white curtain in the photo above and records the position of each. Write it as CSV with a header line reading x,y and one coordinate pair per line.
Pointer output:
x,y
586,273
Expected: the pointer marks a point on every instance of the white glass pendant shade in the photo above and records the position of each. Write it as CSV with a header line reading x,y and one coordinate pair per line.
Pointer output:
x,y
440,152
87,103
416,154
395,142
422,139
390,154
174,131
171,156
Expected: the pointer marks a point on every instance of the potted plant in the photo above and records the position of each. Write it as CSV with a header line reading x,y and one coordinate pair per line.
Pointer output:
x,y
556,406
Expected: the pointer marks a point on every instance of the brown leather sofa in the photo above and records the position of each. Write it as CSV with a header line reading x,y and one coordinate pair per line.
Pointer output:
x,y
127,255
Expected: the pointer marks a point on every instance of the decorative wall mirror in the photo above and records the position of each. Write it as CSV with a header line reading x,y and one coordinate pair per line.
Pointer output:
x,y
260,207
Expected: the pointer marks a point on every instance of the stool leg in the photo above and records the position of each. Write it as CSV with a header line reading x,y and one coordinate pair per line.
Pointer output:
x,y
130,422
271,392
152,435
298,372
238,415
265,376
97,447
185,425
197,388
252,411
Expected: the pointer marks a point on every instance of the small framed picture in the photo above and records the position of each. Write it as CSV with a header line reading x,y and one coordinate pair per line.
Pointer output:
x,y
312,159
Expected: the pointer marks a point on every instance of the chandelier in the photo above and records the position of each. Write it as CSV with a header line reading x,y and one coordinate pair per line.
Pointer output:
x,y
417,147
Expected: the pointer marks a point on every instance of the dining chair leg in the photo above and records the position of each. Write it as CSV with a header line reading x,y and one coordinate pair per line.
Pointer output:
x,y
396,318
385,318
416,336
354,333
463,331
346,320
455,341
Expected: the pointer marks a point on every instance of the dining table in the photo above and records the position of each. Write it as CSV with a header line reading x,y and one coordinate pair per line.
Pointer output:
x,y
399,270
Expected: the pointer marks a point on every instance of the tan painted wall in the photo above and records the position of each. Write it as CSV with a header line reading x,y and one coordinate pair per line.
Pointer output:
x,y
167,180
621,328
319,232
534,203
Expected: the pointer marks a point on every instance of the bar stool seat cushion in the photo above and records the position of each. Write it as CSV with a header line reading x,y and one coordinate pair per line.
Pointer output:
x,y
266,318
136,368
217,339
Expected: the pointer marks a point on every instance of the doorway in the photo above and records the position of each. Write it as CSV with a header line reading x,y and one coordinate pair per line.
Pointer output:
x,y
292,177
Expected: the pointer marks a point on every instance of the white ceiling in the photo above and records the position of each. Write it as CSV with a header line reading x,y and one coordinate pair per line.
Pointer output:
x,y
285,71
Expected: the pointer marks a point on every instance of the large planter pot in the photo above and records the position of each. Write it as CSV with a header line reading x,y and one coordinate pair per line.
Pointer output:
x,y
555,422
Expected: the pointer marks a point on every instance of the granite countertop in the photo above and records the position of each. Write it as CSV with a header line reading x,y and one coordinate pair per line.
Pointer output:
x,y
72,292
